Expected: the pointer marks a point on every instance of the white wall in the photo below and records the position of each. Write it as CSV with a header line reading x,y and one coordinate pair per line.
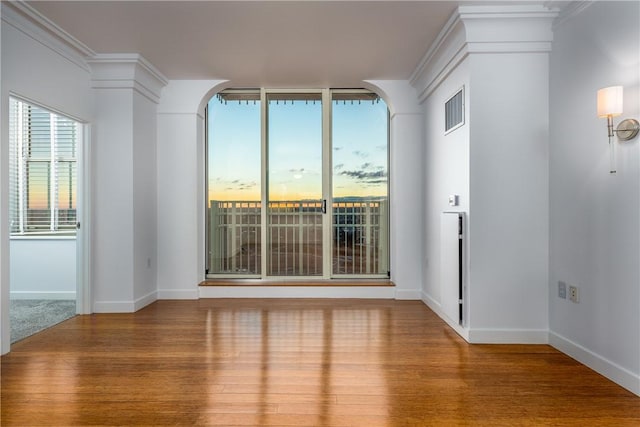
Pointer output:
x,y
498,164
127,89
113,201
508,221
144,198
43,268
594,216
446,162
180,181
44,72
406,177
181,191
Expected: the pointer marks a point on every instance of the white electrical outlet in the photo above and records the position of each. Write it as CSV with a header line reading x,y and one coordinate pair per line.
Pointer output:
x,y
573,294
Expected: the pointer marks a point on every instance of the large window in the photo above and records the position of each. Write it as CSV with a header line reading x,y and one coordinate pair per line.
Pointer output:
x,y
43,171
297,184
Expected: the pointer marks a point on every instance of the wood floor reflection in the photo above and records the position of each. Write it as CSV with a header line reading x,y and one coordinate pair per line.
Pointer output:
x,y
294,363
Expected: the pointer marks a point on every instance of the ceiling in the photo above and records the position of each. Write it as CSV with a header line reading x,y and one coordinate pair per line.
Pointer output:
x,y
264,43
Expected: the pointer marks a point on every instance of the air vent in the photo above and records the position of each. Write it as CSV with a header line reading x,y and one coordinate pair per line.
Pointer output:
x,y
454,111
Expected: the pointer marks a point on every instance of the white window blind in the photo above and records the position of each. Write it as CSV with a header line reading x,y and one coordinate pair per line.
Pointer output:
x,y
43,171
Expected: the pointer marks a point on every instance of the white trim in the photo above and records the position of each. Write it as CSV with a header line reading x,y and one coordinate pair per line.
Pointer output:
x,y
600,364
363,292
567,11
427,59
435,307
50,109
145,300
177,294
124,306
508,336
52,295
113,307
441,63
127,71
33,24
483,29
41,237
509,47
408,294
83,205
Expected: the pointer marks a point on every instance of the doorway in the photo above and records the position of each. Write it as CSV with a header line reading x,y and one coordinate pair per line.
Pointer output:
x,y
317,161
45,153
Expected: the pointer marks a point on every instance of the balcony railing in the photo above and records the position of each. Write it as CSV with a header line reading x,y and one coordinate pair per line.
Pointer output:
x,y
294,232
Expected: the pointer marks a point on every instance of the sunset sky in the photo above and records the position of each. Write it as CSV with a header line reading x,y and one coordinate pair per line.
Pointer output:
x,y
295,150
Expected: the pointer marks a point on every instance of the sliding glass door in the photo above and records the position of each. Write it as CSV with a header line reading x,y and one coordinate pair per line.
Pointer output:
x,y
360,190
297,184
234,201
295,197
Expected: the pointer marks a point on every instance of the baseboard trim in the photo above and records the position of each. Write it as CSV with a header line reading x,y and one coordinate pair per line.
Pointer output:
x,y
178,294
124,306
145,300
508,336
408,294
601,365
54,295
435,307
364,292
113,307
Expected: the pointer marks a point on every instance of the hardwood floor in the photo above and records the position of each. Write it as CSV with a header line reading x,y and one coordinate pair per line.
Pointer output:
x,y
294,363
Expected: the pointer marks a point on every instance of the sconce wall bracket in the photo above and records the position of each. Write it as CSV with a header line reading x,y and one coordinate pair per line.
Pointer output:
x,y
627,129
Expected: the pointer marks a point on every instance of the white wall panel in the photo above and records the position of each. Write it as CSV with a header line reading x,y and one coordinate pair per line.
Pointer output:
x,y
43,268
32,70
595,216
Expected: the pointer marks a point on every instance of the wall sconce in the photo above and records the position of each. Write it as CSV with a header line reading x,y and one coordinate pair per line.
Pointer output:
x,y
609,106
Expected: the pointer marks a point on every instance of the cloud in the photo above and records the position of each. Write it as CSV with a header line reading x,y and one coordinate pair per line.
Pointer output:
x,y
337,148
375,182
247,185
237,184
361,154
370,177
338,167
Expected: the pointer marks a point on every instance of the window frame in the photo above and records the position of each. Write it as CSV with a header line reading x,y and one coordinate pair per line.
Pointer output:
x,y
20,140
327,116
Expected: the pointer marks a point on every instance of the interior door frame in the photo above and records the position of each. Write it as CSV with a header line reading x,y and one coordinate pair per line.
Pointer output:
x,y
83,214
83,219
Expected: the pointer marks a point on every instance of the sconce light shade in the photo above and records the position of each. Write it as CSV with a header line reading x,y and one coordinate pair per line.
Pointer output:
x,y
610,101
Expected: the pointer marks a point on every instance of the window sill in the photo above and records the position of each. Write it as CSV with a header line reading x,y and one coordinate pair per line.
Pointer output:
x,y
43,237
297,282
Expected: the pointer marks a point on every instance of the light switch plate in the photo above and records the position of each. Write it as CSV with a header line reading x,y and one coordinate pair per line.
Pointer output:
x,y
562,290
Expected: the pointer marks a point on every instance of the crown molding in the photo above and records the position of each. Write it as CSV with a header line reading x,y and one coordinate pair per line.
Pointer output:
x,y
32,23
127,71
567,11
481,30
453,25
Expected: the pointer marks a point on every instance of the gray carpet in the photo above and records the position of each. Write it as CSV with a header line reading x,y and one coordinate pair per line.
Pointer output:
x,y
30,316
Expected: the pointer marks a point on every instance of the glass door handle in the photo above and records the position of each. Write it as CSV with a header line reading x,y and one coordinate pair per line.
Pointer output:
x,y
324,206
